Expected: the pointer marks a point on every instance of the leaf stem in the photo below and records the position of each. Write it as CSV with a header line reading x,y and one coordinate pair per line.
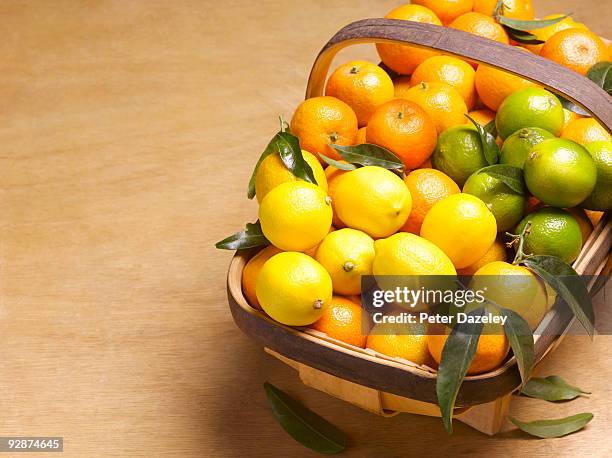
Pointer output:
x,y
519,241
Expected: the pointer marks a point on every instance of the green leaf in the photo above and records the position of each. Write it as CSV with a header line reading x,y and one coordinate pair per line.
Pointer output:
x,y
337,164
305,426
571,106
510,176
554,428
526,26
288,146
250,237
522,36
521,340
487,140
601,74
457,355
368,154
568,284
552,388
498,8
491,128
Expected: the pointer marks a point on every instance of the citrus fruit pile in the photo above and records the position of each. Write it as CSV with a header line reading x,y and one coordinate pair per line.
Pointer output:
x,y
421,166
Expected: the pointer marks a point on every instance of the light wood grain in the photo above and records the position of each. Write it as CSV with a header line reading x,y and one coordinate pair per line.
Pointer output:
x,y
128,130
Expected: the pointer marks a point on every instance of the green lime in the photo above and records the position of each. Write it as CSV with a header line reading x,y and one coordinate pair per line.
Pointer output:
x,y
560,172
529,107
507,206
601,197
518,145
553,232
459,153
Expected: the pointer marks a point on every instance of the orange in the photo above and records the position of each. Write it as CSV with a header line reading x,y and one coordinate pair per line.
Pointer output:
x,y
362,85
594,216
481,25
447,10
426,186
515,9
342,320
361,136
546,32
403,59
404,128
482,117
586,226
398,340
319,121
490,352
569,116
533,203
576,49
497,252
426,165
251,272
493,85
401,85
585,130
450,70
441,102
333,175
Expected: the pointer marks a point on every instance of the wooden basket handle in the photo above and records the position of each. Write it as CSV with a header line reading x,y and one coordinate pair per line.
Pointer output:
x,y
551,75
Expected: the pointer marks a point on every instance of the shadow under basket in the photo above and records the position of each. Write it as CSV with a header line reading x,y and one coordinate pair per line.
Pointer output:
x,y
387,386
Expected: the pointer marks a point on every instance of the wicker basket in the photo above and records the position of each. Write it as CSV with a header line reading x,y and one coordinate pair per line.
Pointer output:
x,y
385,385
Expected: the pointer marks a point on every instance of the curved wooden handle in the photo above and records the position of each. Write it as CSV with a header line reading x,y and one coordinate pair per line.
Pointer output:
x,y
554,77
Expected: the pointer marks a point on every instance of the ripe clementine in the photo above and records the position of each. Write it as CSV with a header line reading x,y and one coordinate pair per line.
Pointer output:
x,y
426,186
363,85
493,85
361,136
403,59
514,9
401,85
342,320
447,10
568,117
251,272
545,33
585,130
576,49
450,70
319,121
441,102
406,341
482,117
404,128
481,25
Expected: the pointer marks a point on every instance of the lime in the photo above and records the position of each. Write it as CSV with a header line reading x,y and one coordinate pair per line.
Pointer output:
x,y
459,153
560,172
507,206
553,232
529,107
518,145
601,197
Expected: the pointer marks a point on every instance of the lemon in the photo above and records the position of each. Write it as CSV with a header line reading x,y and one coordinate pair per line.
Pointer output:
x,y
346,254
295,215
515,288
462,226
293,289
272,172
372,199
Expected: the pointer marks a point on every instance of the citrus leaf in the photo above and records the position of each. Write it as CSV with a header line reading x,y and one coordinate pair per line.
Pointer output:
x,y
551,388
305,426
271,148
337,164
521,340
526,26
457,355
510,176
250,237
554,428
498,8
571,106
567,284
368,154
522,36
487,140
491,128
601,74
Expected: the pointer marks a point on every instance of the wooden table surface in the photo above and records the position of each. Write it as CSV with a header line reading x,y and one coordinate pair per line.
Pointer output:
x,y
128,131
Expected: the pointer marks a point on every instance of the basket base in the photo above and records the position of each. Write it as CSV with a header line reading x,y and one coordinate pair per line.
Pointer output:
x,y
487,418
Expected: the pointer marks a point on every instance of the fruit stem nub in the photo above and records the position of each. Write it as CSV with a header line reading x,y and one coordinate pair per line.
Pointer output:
x,y
317,304
348,266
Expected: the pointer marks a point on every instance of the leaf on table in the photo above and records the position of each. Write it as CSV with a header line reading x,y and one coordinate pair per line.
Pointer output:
x,y
487,140
250,237
510,176
546,429
521,341
567,284
368,154
305,426
457,355
552,388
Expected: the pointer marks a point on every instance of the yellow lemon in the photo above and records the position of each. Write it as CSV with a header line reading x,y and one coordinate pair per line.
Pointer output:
x,y
462,226
515,288
406,341
497,252
346,254
272,172
372,199
294,289
250,273
295,216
